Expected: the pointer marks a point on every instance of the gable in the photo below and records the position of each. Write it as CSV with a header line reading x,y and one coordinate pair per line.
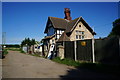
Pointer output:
x,y
80,32
48,25
84,23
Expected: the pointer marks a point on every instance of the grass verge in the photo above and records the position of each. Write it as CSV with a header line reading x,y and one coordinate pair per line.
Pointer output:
x,y
97,67
68,62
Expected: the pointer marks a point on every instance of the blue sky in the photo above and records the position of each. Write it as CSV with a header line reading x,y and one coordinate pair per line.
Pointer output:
x,y
28,19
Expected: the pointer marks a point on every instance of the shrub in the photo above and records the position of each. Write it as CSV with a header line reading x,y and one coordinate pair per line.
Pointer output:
x,y
5,52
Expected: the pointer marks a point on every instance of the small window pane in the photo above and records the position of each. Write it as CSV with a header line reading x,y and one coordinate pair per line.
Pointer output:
x,y
76,36
77,31
79,36
82,32
82,37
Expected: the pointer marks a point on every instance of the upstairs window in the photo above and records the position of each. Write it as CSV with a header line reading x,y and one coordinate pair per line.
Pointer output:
x,y
82,37
82,32
79,25
77,36
77,32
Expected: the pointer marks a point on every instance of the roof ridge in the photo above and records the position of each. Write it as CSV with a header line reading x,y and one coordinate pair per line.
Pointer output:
x,y
76,22
56,18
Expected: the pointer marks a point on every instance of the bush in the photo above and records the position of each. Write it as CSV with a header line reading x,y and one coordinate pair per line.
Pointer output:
x,y
5,52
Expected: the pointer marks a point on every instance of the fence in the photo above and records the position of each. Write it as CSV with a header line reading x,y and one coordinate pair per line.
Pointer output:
x,y
105,50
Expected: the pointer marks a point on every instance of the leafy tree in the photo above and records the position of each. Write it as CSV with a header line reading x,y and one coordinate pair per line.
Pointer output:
x,y
28,42
33,42
116,28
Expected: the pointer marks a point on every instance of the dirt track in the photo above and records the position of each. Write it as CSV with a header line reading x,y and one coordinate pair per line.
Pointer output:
x,y
18,65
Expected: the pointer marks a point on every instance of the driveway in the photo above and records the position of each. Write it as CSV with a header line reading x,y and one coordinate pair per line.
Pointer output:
x,y
18,65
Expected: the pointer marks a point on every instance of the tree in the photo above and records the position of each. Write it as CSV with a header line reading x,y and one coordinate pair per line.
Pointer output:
x,y
116,28
27,42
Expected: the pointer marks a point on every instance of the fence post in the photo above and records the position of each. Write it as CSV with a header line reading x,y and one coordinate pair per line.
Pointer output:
x,y
75,46
93,53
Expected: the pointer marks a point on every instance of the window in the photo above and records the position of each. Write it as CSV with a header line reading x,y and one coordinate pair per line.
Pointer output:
x,y
79,25
82,32
58,36
76,36
79,36
52,41
77,32
82,37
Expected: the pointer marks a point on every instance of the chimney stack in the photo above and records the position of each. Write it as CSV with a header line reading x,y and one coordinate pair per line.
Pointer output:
x,y
67,14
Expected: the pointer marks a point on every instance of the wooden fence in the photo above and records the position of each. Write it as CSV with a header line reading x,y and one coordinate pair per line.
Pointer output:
x,y
106,50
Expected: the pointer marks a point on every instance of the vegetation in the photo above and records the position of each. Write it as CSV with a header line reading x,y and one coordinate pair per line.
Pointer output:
x,y
13,49
116,28
98,67
12,46
68,62
21,51
28,42
4,52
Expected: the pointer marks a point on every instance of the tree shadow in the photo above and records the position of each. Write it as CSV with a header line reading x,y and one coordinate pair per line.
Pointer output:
x,y
88,72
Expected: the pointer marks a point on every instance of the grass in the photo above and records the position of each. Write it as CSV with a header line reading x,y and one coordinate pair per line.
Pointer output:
x,y
97,67
37,55
68,62
21,51
13,49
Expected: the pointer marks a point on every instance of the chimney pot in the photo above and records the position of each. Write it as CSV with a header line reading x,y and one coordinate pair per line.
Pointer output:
x,y
67,14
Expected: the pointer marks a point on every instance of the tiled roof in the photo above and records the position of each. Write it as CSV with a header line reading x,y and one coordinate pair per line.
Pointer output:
x,y
71,24
60,23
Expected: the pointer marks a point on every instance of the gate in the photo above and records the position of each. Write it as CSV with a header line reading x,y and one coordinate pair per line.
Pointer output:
x,y
84,50
69,49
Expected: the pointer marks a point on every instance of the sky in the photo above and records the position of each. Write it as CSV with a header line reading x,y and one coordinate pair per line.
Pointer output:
x,y
28,19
